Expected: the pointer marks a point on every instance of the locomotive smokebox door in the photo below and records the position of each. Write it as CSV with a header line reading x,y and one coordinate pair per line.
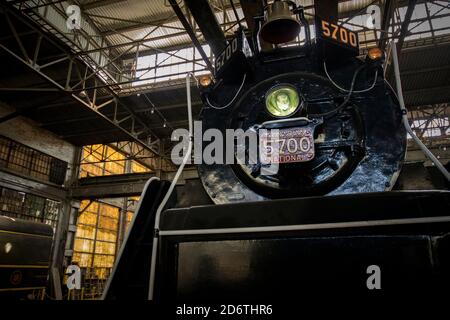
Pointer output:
x,y
337,130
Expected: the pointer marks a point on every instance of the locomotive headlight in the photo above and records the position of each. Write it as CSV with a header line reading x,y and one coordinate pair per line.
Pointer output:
x,y
375,53
282,101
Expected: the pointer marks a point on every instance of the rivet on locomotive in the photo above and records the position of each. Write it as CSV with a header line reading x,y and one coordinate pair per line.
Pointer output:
x,y
340,124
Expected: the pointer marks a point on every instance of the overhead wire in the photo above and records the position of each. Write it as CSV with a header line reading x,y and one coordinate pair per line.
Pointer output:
x,y
232,100
347,98
171,188
345,90
349,91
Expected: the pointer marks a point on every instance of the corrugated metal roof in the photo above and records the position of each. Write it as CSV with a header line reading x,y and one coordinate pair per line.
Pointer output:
x,y
131,17
348,6
134,10
425,74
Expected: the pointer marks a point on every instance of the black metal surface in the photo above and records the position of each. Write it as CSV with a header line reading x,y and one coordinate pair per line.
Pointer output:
x,y
279,268
386,20
364,143
251,8
24,255
311,210
231,63
53,108
191,194
327,9
334,51
413,258
22,226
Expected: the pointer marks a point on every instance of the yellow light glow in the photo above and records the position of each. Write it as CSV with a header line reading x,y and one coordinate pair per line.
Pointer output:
x,y
282,101
375,53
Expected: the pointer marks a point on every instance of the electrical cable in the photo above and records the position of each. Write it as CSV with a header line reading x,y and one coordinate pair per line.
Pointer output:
x,y
347,98
345,90
171,188
232,100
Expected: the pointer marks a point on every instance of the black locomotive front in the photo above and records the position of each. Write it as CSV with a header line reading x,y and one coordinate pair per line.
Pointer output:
x,y
339,122
326,123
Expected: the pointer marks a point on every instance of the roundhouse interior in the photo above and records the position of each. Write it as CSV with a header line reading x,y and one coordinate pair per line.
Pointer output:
x,y
94,206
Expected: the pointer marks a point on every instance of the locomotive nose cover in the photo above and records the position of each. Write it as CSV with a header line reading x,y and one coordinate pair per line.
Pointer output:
x,y
357,145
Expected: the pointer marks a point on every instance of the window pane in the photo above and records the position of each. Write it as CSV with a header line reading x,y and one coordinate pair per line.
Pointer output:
x,y
106,235
105,248
85,232
84,245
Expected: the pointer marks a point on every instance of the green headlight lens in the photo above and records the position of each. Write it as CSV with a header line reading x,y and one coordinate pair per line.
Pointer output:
x,y
282,101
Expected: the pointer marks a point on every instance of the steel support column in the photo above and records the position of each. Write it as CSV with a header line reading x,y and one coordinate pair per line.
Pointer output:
x,y
191,33
207,22
67,61
405,25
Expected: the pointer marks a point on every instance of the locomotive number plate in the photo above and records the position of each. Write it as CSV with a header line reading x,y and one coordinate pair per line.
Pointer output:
x,y
287,145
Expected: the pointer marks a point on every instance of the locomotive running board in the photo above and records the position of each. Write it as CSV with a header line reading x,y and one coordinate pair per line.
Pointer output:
x,y
317,245
313,226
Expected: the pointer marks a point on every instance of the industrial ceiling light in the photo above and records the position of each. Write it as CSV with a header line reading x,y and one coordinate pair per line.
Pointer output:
x,y
152,110
282,100
280,25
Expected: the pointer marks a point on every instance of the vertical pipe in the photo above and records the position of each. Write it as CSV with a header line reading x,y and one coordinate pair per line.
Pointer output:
x,y
424,149
169,192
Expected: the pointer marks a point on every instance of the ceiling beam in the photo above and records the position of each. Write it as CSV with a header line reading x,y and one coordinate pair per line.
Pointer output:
x,y
138,111
388,9
88,133
251,8
140,26
207,22
176,8
174,124
150,40
327,9
405,25
13,14
100,3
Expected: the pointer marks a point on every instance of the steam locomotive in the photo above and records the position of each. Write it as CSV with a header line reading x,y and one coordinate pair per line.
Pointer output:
x,y
339,122
326,123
